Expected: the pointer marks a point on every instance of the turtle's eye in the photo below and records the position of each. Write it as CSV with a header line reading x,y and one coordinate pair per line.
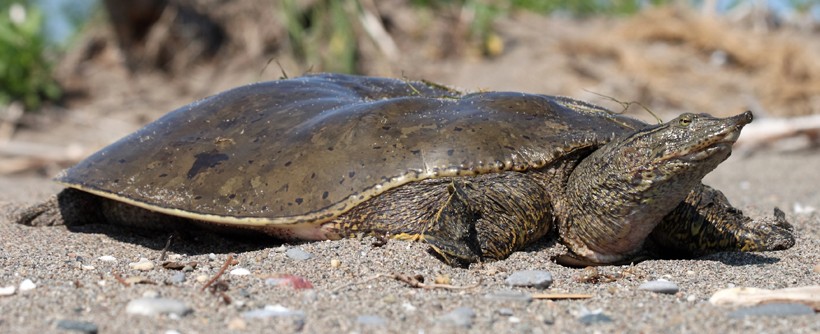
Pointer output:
x,y
685,120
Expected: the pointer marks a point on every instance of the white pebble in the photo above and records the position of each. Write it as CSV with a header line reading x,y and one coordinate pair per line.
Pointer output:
x,y
107,258
212,256
154,306
801,209
660,286
408,307
143,264
240,272
202,278
7,290
27,285
88,267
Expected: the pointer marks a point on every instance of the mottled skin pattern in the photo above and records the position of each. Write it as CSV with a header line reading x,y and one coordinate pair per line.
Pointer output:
x,y
476,176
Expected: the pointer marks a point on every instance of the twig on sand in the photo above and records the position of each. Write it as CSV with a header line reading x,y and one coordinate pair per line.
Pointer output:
x,y
165,249
412,281
555,296
120,279
222,270
767,131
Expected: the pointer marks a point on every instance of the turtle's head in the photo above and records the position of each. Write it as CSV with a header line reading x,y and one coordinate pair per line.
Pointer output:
x,y
686,147
618,194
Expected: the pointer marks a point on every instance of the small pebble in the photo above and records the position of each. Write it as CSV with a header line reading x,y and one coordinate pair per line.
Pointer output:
x,y
7,290
154,306
143,264
150,294
530,278
271,311
87,267
202,278
297,253
514,320
817,268
590,317
462,317
335,263
27,285
177,278
660,286
408,307
506,295
107,258
237,324
505,311
240,272
442,279
371,320
78,326
773,309
212,256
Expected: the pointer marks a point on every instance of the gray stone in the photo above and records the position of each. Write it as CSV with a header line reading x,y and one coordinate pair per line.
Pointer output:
x,y
154,306
461,317
591,317
297,253
507,295
371,320
507,312
773,309
78,326
177,278
530,278
660,286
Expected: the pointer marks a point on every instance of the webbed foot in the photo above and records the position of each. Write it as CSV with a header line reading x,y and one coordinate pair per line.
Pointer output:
x,y
768,234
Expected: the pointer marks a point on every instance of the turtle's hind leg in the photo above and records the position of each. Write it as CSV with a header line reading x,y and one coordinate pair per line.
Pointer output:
x,y
706,223
68,207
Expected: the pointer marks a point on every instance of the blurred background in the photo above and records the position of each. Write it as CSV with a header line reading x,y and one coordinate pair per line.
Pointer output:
x,y
76,75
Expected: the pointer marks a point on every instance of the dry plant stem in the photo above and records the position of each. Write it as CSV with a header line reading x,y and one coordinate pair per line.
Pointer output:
x,y
410,281
165,249
555,296
222,270
371,278
120,279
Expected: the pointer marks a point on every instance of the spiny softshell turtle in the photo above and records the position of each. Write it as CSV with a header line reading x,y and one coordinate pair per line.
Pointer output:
x,y
474,175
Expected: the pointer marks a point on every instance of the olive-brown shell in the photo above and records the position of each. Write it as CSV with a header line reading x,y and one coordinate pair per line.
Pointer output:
x,y
308,149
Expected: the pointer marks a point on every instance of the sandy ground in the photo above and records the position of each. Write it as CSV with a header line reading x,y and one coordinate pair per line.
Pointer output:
x,y
73,284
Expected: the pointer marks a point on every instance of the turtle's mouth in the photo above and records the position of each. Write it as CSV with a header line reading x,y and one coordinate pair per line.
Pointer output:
x,y
722,143
719,144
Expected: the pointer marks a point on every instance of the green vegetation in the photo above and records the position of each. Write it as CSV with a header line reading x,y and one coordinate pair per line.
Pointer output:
x,y
25,73
587,7
323,34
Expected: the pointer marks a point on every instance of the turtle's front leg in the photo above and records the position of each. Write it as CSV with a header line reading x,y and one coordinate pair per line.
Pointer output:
x,y
705,222
489,216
